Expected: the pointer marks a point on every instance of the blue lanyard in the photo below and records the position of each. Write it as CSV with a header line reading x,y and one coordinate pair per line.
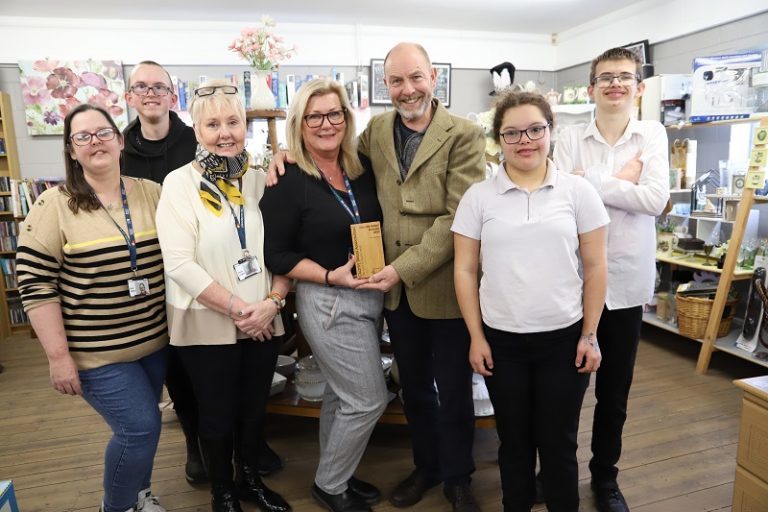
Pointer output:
x,y
353,212
239,223
130,238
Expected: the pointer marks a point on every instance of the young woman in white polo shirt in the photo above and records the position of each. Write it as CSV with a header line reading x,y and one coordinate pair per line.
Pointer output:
x,y
539,237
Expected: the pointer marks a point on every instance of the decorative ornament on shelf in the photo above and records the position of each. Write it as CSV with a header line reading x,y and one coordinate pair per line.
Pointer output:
x,y
264,50
492,148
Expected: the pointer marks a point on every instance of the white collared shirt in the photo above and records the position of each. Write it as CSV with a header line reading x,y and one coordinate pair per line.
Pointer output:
x,y
529,244
632,208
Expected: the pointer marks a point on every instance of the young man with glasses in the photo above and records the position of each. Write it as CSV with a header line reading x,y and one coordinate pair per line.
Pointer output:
x,y
157,141
627,161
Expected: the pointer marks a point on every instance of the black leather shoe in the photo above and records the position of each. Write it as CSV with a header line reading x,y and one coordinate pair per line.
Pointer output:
x,y
344,502
367,492
224,500
410,491
253,490
268,461
461,498
609,499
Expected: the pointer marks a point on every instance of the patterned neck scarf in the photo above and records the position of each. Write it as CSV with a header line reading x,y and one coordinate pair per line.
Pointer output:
x,y
219,170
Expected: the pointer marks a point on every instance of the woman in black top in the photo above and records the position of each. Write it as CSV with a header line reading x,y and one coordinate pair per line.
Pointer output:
x,y
307,218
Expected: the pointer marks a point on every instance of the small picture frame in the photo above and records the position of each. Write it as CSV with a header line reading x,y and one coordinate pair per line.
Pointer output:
x,y
642,49
443,83
570,95
379,94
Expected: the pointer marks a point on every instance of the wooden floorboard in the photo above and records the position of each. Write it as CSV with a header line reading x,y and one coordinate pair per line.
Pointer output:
x,y
679,444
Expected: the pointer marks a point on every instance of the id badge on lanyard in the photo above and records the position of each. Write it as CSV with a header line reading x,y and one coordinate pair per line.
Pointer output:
x,y
247,266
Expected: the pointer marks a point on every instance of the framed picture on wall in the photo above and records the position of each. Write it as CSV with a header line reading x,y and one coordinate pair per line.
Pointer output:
x,y
443,83
379,94
642,49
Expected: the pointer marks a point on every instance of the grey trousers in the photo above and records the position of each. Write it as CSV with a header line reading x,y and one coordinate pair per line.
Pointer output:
x,y
340,325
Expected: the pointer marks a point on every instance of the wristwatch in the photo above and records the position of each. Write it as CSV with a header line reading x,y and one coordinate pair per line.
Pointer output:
x,y
277,299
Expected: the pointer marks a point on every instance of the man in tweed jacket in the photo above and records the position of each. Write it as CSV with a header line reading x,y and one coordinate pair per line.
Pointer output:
x,y
424,159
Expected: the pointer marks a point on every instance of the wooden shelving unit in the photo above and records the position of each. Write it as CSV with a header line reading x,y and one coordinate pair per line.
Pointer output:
x,y
729,273
9,170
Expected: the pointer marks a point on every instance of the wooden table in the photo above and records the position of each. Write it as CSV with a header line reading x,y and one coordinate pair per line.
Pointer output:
x,y
290,404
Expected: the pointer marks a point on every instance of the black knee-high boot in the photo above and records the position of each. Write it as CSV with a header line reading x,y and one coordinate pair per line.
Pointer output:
x,y
217,456
249,484
194,471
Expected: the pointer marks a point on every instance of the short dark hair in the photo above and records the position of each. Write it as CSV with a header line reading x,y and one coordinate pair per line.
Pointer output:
x,y
150,63
79,191
613,54
512,99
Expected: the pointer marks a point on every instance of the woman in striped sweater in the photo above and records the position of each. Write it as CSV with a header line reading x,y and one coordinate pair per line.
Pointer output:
x,y
91,280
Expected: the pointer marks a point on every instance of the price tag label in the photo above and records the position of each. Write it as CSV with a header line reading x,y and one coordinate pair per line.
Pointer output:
x,y
755,179
758,158
761,136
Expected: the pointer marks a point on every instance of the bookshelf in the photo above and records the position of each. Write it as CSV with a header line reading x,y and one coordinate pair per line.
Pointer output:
x,y
12,318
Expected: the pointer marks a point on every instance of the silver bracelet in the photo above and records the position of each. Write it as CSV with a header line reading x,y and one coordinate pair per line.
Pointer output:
x,y
230,304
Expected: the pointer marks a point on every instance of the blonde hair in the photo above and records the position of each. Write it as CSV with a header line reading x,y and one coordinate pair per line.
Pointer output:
x,y
215,102
348,157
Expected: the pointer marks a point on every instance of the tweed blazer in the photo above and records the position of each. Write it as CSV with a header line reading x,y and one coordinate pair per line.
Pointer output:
x,y
418,211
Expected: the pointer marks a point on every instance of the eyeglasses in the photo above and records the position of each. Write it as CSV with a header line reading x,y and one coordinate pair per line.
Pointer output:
x,y
84,138
607,79
207,91
141,89
335,117
533,133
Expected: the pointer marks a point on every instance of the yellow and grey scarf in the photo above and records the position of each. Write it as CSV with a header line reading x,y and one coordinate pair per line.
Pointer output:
x,y
218,170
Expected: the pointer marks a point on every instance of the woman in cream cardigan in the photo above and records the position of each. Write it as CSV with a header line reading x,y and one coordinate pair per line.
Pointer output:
x,y
222,303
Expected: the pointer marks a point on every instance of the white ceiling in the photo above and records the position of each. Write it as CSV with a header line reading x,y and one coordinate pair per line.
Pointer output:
x,y
519,16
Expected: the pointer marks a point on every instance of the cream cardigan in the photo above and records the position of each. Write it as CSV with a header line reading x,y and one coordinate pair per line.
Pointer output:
x,y
200,248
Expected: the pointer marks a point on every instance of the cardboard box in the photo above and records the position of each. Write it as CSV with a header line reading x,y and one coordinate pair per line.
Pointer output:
x,y
7,497
722,86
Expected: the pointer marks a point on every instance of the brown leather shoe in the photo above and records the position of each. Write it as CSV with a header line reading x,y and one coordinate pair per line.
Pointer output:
x,y
410,491
461,498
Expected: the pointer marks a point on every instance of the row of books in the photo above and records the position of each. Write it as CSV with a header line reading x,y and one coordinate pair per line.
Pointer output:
x,y
283,88
9,233
24,193
16,311
5,184
2,146
8,265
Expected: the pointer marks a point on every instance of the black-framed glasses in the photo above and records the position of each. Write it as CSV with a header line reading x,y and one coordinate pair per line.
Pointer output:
x,y
532,132
141,89
335,117
84,138
607,79
207,91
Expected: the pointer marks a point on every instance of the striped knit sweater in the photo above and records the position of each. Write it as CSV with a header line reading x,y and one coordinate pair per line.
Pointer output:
x,y
82,262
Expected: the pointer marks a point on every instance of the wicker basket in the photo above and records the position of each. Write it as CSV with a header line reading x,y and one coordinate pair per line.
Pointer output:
x,y
693,315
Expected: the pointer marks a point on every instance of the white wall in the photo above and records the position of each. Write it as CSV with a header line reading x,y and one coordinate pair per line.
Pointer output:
x,y
655,20
205,43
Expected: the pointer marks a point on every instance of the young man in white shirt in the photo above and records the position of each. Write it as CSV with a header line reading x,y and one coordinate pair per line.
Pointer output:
x,y
627,161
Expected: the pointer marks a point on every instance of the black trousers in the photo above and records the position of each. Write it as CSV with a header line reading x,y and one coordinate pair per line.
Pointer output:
x,y
180,390
231,385
442,419
537,394
618,335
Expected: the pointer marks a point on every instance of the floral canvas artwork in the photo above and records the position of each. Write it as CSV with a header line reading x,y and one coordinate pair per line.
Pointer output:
x,y
51,88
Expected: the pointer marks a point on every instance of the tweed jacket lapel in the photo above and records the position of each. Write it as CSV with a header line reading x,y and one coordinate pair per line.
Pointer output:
x,y
384,142
437,134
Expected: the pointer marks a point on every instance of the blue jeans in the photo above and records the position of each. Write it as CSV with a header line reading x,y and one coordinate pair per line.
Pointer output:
x,y
126,396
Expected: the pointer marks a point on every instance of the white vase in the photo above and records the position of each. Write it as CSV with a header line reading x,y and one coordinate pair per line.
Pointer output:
x,y
261,94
